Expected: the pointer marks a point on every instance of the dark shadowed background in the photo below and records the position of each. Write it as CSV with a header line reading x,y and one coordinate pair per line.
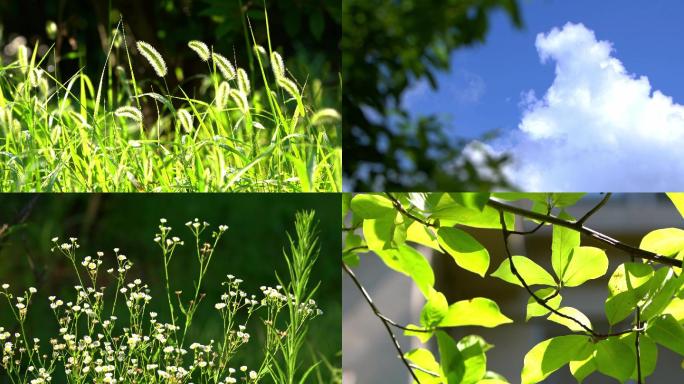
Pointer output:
x,y
306,32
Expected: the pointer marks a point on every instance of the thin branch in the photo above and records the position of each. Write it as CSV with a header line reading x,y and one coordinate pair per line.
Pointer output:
x,y
429,372
634,251
531,231
352,249
403,211
598,206
384,321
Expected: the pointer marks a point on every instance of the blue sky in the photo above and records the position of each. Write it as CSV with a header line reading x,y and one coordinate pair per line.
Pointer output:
x,y
483,90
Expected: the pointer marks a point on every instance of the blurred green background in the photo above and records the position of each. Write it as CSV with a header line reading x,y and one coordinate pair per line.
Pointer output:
x,y
251,249
306,32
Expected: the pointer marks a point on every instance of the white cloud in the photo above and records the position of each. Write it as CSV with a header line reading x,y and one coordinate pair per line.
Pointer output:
x,y
598,127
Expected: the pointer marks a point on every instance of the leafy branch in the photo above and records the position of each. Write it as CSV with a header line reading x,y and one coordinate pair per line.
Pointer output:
x,y
391,224
544,302
581,228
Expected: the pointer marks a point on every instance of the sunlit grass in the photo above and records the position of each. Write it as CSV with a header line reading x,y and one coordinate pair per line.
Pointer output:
x,y
213,132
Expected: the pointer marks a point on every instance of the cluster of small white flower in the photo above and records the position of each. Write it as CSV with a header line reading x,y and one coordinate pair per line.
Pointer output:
x,y
92,348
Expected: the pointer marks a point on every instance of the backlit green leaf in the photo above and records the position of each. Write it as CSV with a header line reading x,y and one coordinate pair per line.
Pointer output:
x,y
385,232
434,310
449,209
534,309
629,283
666,331
648,353
372,205
664,284
477,311
532,273
614,358
346,203
666,241
474,359
421,333
451,360
581,369
678,201
410,262
563,242
468,253
573,313
423,358
585,263
676,309
552,354
418,233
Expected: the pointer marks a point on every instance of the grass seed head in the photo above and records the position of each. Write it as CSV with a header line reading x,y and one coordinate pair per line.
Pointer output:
x,y
153,57
22,57
224,65
222,94
185,119
277,65
129,112
243,82
35,77
240,100
201,49
289,86
326,116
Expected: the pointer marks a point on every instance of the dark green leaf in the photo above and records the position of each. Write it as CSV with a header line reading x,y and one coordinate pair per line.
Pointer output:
x,y
614,358
451,362
666,331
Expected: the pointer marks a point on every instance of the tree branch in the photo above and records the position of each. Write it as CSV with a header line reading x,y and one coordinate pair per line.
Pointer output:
x,y
579,227
385,321
598,206
544,302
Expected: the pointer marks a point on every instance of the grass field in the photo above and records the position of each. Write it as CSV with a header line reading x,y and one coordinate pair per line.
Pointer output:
x,y
227,129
